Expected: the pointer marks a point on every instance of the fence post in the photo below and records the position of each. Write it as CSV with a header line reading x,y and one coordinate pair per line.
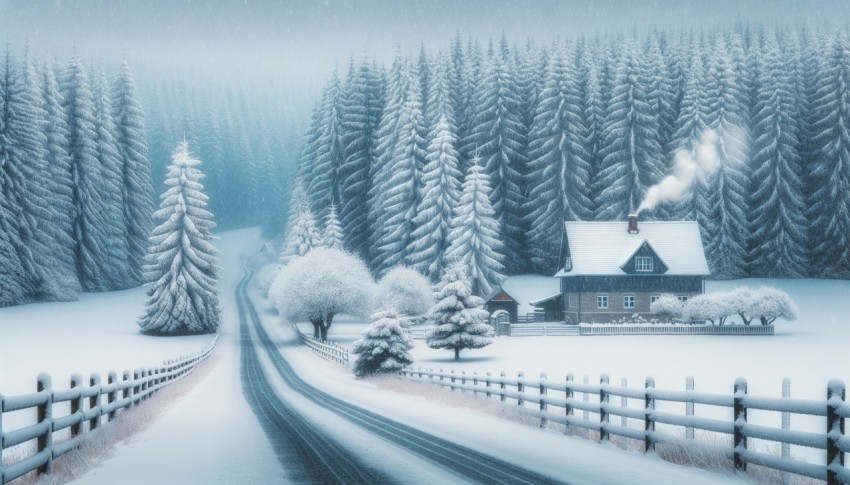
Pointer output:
x,y
835,396
474,382
463,380
77,404
568,394
520,388
740,439
648,422
45,414
441,375
137,386
502,386
128,390
586,398
624,421
543,393
453,379
487,383
603,413
689,407
786,424
94,401
112,380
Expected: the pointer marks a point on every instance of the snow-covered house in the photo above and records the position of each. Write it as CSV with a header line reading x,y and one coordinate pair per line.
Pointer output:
x,y
523,296
616,269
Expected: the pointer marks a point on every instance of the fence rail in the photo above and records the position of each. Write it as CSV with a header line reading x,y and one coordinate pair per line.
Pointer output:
x,y
87,409
649,329
542,329
327,350
540,396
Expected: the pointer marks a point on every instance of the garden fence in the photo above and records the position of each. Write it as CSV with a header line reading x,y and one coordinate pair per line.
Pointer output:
x,y
542,397
327,350
87,409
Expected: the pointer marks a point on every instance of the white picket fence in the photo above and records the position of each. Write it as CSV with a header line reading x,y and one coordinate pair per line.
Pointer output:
x,y
541,396
331,351
650,329
542,329
86,410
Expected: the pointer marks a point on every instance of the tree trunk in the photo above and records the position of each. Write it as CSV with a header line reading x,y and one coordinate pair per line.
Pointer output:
x,y
316,325
457,353
324,330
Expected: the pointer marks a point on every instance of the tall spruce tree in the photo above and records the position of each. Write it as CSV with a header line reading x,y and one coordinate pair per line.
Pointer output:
x,y
301,232
829,207
777,234
137,186
474,240
181,269
332,237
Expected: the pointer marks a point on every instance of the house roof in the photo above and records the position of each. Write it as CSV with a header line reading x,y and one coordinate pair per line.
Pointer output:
x,y
528,288
601,248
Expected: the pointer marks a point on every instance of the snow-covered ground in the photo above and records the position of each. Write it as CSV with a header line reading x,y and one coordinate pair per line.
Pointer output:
x,y
809,351
208,435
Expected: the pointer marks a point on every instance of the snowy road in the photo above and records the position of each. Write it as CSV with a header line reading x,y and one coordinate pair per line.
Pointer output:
x,y
325,458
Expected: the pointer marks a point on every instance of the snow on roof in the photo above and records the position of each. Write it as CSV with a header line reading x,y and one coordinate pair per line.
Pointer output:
x,y
529,288
601,248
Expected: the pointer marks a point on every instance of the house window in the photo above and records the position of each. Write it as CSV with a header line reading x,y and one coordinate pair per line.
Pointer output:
x,y
683,298
601,301
629,301
653,298
643,263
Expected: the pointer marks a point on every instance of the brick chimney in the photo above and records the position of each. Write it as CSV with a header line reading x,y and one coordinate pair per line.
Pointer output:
x,y
633,220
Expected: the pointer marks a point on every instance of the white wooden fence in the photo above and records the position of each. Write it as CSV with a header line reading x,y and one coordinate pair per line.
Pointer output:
x,y
87,408
544,396
542,329
650,329
327,350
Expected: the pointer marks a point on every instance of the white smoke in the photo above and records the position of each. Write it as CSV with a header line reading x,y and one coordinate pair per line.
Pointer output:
x,y
686,168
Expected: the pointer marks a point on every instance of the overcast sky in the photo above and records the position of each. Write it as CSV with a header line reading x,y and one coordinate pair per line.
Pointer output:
x,y
300,41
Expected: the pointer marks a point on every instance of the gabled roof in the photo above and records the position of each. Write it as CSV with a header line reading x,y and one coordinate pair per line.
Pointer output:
x,y
528,288
601,248
640,243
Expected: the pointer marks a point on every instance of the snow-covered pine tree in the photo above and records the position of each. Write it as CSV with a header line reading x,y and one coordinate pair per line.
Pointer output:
x,y
111,187
692,122
401,197
384,347
433,221
559,166
136,169
301,232
180,269
726,225
631,155
330,152
59,169
361,108
92,261
829,207
459,319
474,242
778,224
332,237
499,138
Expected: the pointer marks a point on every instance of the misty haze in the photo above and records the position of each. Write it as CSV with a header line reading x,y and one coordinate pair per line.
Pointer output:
x,y
351,241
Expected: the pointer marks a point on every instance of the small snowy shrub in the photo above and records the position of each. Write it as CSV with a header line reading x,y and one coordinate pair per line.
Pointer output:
x,y
741,301
406,291
458,316
711,307
321,284
384,346
667,307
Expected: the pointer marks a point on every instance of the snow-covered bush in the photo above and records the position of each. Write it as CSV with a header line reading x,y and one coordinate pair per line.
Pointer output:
x,y
740,301
712,307
772,303
668,307
406,291
323,283
458,316
384,346
266,276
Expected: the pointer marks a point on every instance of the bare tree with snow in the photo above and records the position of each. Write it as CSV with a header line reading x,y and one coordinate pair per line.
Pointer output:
x,y
318,286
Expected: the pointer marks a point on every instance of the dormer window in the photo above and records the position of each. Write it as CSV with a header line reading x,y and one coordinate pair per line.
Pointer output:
x,y
643,263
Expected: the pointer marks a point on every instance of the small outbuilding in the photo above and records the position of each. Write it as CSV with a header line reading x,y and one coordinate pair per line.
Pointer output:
x,y
526,298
